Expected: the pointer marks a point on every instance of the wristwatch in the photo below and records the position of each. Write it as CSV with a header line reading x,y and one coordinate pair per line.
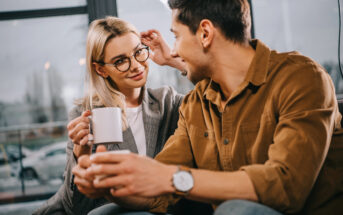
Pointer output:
x,y
183,181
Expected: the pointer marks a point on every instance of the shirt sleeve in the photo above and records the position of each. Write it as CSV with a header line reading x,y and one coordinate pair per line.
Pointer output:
x,y
306,107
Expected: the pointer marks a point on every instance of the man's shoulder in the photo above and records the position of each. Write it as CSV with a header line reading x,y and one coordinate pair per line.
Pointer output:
x,y
293,61
295,67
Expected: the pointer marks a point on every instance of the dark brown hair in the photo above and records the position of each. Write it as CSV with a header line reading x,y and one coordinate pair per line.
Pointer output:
x,y
232,17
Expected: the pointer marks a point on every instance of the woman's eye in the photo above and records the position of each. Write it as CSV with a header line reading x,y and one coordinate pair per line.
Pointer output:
x,y
119,62
139,51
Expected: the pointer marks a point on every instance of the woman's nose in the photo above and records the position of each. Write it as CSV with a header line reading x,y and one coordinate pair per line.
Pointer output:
x,y
134,64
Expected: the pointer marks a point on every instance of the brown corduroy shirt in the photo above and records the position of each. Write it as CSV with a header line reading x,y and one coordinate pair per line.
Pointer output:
x,y
277,127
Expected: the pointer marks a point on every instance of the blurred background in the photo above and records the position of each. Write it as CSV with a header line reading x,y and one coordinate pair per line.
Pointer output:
x,y
42,67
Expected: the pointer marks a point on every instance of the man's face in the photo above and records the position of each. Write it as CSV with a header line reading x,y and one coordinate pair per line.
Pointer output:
x,y
189,48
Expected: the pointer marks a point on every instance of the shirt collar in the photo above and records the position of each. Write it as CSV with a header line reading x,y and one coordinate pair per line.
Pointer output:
x,y
257,72
258,69
213,92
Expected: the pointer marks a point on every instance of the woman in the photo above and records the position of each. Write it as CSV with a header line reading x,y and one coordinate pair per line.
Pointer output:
x,y
117,72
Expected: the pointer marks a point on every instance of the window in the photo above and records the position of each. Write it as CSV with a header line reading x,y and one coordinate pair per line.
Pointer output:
x,y
42,66
310,27
16,5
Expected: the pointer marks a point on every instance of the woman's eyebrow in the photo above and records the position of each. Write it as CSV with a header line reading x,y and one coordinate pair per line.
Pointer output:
x,y
124,55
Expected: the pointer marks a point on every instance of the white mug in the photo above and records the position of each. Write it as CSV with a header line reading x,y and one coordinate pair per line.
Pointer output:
x,y
107,125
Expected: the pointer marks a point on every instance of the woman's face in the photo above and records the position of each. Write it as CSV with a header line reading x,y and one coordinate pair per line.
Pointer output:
x,y
115,51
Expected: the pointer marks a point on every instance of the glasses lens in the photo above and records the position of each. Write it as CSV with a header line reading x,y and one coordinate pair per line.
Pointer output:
x,y
122,64
142,54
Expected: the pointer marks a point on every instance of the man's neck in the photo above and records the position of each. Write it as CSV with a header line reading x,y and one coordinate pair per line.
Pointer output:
x,y
230,66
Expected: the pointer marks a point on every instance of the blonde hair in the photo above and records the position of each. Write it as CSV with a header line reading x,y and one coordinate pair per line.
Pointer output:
x,y
103,91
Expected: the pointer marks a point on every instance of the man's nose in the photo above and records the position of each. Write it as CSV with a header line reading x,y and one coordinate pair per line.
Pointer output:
x,y
174,53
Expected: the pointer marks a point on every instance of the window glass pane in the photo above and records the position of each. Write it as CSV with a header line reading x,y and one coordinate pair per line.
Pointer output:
x,y
42,65
12,5
42,68
310,27
148,14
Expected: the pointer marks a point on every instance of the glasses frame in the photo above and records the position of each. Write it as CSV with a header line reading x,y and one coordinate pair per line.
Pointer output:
x,y
129,58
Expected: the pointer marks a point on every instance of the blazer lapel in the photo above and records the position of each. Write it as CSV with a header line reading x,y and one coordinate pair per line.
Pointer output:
x,y
128,143
151,118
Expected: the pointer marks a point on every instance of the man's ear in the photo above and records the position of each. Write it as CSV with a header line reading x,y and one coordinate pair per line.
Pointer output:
x,y
206,32
100,70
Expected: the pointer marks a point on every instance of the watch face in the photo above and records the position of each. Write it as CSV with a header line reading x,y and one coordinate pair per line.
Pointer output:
x,y
183,181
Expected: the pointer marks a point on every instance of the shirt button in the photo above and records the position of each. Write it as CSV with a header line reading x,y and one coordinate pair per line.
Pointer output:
x,y
206,134
226,141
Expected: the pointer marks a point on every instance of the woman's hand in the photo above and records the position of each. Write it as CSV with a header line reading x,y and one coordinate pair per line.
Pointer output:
x,y
161,53
78,132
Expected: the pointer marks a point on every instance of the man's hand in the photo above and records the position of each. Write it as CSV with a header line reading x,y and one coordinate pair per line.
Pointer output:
x,y
84,182
78,132
161,53
131,174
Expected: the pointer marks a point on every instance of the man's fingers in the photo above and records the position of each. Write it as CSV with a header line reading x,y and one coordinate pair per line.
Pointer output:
x,y
110,158
112,181
123,191
105,169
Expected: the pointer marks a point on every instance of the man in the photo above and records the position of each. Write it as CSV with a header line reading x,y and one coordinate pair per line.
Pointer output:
x,y
259,134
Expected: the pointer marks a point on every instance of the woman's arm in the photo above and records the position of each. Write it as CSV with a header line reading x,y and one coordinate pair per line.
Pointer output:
x,y
161,53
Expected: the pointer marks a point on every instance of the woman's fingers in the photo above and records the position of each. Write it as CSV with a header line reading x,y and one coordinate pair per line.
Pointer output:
x,y
75,121
78,129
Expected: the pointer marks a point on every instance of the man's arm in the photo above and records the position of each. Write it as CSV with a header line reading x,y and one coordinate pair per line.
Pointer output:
x,y
144,177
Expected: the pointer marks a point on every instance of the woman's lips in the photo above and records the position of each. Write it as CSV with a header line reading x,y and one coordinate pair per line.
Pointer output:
x,y
137,77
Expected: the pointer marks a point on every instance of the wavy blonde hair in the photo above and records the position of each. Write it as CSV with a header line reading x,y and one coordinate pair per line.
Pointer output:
x,y
103,91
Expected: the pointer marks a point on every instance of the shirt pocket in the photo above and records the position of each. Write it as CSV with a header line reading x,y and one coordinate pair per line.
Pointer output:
x,y
204,147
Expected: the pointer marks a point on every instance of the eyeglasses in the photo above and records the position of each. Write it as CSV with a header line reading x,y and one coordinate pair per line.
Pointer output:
x,y
123,64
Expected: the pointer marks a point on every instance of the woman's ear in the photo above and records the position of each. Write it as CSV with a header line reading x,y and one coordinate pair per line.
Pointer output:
x,y
100,70
206,32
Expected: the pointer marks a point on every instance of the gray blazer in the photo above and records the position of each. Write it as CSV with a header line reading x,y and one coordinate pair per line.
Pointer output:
x,y
160,116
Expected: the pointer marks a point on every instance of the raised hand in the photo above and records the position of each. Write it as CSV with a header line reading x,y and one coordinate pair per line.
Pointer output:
x,y
161,53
